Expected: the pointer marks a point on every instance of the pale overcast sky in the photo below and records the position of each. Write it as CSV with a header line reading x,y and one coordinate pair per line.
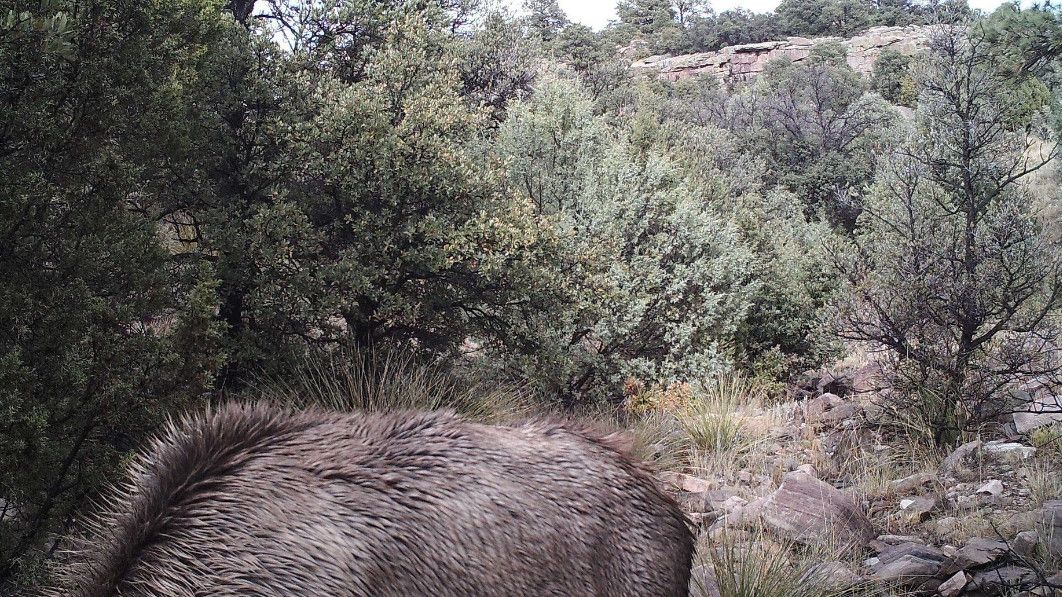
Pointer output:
x,y
596,13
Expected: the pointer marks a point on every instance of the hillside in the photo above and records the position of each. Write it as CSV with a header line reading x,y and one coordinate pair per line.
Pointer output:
x,y
382,205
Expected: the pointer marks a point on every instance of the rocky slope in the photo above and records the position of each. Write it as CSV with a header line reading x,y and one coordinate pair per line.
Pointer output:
x,y
880,515
734,64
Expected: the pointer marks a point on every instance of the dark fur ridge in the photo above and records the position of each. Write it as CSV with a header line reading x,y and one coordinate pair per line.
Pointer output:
x,y
257,500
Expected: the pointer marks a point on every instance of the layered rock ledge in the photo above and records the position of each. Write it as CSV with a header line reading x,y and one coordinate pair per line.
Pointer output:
x,y
734,64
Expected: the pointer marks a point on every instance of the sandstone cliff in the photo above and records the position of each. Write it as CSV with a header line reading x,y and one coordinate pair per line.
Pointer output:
x,y
733,64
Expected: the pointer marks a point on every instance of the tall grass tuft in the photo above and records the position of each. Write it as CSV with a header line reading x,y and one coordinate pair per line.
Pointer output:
x,y
389,381
761,565
713,418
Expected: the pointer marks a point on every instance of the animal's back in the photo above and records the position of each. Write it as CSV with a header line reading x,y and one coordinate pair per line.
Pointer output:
x,y
259,500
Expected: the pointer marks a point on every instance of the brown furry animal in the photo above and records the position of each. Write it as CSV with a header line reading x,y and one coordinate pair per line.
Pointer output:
x,y
258,500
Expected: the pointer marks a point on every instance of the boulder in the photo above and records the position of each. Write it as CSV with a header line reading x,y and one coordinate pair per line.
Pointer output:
x,y
808,510
977,553
744,62
1001,581
993,487
816,408
1025,542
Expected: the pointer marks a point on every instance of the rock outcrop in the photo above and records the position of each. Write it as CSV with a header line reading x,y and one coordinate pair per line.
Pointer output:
x,y
734,64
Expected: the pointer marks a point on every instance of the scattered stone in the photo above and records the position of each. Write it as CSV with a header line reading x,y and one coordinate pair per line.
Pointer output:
x,y
917,509
809,469
1024,543
954,585
1008,451
909,564
960,457
911,483
1005,577
993,487
978,552
687,483
809,510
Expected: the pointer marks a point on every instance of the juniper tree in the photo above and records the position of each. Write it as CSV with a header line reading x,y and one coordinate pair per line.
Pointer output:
x,y
953,275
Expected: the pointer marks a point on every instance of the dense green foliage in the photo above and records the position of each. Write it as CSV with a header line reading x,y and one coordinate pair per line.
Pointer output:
x,y
101,333
894,80
195,194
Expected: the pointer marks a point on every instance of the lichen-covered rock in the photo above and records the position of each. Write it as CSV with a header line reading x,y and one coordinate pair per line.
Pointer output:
x,y
1008,451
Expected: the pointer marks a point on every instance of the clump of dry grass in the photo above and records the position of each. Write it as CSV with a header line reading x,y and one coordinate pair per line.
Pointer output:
x,y
869,471
661,440
389,381
732,428
1047,441
715,417
757,563
1044,481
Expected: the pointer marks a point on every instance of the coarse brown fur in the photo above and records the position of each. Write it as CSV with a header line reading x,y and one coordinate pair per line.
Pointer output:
x,y
260,500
